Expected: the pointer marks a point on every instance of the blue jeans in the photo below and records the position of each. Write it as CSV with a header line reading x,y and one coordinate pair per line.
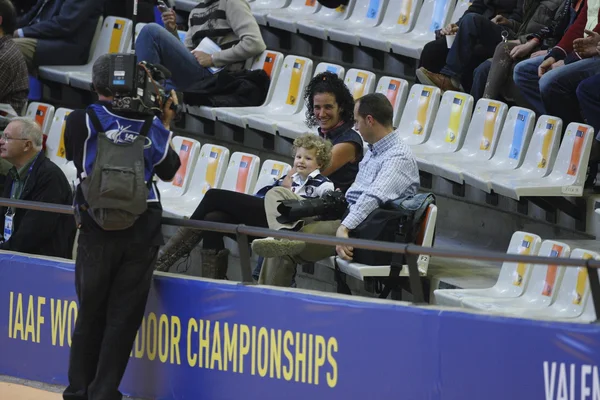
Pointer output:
x,y
588,94
480,77
555,92
156,45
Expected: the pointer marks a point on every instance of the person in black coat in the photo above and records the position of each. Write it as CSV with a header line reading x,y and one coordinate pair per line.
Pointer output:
x,y
35,178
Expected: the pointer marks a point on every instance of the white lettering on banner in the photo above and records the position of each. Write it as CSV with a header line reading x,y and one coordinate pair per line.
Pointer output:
x,y
561,381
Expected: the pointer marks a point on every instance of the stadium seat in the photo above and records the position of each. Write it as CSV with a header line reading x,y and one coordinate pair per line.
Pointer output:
x,y
241,173
359,82
286,18
434,15
269,122
480,141
544,140
541,290
188,150
181,35
287,96
449,127
418,115
512,143
269,61
396,90
35,89
261,8
362,271
568,173
270,172
396,21
208,173
366,14
512,280
42,113
317,25
55,144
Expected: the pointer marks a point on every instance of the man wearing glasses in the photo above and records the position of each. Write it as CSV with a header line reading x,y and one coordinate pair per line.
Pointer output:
x,y
34,177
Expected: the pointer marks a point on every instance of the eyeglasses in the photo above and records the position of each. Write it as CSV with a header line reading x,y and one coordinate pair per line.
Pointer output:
x,y
6,138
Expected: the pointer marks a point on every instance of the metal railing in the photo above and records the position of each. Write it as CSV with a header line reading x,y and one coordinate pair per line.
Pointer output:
x,y
242,232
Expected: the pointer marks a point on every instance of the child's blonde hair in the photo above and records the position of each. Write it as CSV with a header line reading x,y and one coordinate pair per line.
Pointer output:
x,y
322,146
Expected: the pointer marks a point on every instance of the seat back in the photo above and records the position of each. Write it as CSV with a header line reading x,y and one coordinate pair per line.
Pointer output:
x,y
95,38
419,112
425,237
572,159
115,37
359,82
461,7
396,90
514,277
484,130
368,12
289,86
55,144
334,14
241,173
433,15
305,6
270,172
514,138
262,4
270,62
543,147
209,170
545,279
400,18
188,150
451,121
42,113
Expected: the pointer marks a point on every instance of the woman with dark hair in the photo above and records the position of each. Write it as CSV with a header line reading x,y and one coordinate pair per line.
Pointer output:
x,y
330,107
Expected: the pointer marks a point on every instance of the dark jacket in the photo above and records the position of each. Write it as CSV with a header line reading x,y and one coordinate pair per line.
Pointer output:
x,y
549,35
537,15
39,232
510,9
64,29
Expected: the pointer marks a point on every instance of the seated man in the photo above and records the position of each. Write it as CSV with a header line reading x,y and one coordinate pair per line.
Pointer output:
x,y
387,172
58,32
14,83
34,177
229,24
588,95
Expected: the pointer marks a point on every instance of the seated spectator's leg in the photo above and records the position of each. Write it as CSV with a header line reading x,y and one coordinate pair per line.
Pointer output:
x,y
157,46
588,94
527,81
272,199
480,77
433,56
558,88
500,70
27,47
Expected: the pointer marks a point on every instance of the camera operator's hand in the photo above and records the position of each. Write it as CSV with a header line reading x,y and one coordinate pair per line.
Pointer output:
x,y
203,58
168,113
345,252
170,20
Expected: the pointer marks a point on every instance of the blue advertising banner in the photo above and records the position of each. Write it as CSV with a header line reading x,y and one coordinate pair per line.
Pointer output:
x,y
214,340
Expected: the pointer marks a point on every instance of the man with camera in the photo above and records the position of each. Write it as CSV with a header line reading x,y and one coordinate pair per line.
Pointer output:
x,y
118,212
387,172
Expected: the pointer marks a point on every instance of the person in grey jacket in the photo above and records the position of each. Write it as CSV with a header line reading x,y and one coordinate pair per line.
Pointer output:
x,y
228,23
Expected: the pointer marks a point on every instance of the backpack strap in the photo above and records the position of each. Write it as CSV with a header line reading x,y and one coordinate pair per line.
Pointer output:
x,y
94,119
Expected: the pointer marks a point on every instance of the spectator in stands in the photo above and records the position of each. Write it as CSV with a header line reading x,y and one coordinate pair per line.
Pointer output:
x,y
478,31
14,83
388,171
540,30
58,32
588,95
549,83
228,23
23,6
330,106
35,178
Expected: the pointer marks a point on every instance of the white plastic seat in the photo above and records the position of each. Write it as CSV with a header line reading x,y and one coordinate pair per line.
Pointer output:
x,y
418,115
241,173
568,173
114,37
398,19
286,18
359,82
449,127
261,8
512,143
287,93
396,90
269,61
362,271
539,293
270,172
42,113
208,173
55,143
318,23
513,277
542,147
366,14
188,150
480,141
269,122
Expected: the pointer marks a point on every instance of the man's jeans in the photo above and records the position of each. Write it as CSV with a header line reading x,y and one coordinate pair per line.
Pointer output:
x,y
156,45
588,94
555,92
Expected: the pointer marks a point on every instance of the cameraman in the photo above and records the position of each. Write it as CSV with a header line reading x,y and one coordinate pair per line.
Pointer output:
x,y
387,172
113,269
